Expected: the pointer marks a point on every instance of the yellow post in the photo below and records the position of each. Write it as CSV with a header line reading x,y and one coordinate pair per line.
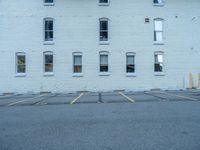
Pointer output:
x,y
199,81
190,81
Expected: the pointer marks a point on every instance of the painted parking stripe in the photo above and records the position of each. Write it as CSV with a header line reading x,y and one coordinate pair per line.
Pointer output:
x,y
77,98
180,96
14,103
128,98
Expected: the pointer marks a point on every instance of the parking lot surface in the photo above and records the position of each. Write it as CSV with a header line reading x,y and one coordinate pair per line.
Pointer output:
x,y
148,120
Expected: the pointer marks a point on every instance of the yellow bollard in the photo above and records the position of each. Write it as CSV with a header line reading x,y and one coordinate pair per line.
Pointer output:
x,y
199,81
190,81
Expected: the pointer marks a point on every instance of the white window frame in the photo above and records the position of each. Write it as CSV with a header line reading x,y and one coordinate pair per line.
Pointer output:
x,y
131,74
159,73
48,42
104,73
159,4
156,42
44,63
77,74
104,4
19,74
102,42
48,4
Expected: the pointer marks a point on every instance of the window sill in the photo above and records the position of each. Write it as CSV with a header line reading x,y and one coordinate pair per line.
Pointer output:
x,y
104,74
158,43
48,43
48,74
158,5
159,74
20,75
104,4
104,42
49,4
77,74
131,74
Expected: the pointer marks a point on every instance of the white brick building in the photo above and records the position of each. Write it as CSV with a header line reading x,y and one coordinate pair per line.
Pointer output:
x,y
92,46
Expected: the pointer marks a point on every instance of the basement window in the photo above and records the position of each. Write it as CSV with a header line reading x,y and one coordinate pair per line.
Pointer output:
x,y
158,2
20,64
103,2
103,68
48,2
77,66
48,63
158,62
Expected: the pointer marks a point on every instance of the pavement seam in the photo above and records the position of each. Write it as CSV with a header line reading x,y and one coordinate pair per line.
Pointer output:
x,y
76,99
130,99
180,96
32,98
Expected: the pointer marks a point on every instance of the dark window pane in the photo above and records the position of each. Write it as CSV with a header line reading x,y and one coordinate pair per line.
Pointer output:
x,y
48,59
103,36
158,68
48,1
48,67
21,60
103,1
103,25
49,35
130,69
77,69
21,69
104,68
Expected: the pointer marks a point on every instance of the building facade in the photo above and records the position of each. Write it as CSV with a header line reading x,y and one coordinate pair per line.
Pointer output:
x,y
98,45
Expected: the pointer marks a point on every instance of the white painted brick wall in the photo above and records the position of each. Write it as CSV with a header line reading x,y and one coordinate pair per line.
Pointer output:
x,y
76,29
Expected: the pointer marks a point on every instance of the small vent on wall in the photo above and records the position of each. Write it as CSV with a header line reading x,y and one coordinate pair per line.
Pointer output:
x,y
147,20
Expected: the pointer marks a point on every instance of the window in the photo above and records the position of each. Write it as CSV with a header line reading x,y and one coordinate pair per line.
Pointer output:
x,y
158,30
48,1
103,23
130,63
48,62
158,2
48,27
77,59
158,58
20,63
103,2
104,62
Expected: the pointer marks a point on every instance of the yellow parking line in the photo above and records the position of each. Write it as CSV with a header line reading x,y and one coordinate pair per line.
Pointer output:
x,y
128,98
14,103
77,98
180,96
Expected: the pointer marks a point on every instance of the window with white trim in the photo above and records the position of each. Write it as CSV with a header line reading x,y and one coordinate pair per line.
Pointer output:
x,y
20,63
158,30
158,62
103,26
158,2
48,29
77,62
103,62
48,62
130,62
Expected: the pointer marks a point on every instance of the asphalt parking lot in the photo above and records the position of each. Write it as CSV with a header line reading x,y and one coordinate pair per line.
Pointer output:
x,y
148,120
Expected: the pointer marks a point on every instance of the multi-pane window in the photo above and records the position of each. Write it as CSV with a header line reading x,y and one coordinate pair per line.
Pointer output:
x,y
77,59
158,30
158,64
48,62
104,62
130,63
48,1
103,26
48,29
158,1
20,63
103,1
